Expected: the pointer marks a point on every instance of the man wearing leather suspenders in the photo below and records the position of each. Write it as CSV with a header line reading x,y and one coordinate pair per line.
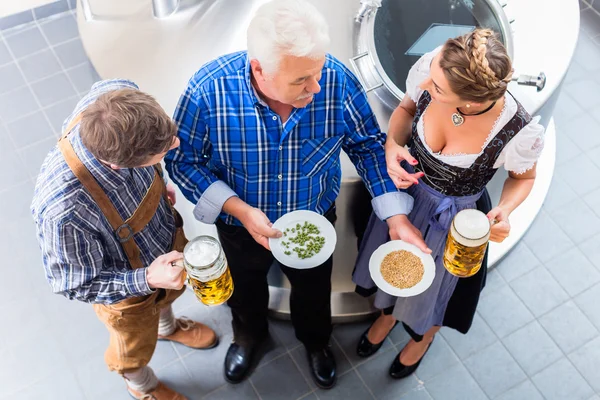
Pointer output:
x,y
108,232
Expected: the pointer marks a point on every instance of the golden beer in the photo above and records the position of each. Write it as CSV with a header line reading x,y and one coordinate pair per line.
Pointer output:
x,y
207,270
466,243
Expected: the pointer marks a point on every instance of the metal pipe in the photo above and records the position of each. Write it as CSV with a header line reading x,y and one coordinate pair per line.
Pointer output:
x,y
164,8
538,81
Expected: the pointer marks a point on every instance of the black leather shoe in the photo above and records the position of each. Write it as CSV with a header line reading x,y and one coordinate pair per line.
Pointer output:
x,y
238,362
322,367
399,370
365,348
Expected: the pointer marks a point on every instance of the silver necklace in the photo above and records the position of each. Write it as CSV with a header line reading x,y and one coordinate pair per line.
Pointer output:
x,y
458,118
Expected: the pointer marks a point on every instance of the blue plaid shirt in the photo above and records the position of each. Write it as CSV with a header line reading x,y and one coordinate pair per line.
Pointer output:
x,y
82,256
233,144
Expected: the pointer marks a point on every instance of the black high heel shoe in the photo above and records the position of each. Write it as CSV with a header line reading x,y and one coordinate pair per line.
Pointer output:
x,y
399,370
365,348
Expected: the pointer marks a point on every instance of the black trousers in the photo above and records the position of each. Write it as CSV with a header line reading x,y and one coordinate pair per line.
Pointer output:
x,y
310,300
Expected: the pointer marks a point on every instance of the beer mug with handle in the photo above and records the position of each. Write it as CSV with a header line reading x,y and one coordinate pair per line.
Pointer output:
x,y
207,270
467,242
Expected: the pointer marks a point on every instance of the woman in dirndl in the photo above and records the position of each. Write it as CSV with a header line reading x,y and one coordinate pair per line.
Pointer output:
x,y
460,124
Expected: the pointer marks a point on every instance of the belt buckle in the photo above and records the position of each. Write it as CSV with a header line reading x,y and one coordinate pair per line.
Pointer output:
x,y
118,233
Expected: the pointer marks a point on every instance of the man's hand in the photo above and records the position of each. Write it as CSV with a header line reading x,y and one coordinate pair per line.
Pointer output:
x,y
166,272
171,193
394,155
259,226
402,229
500,225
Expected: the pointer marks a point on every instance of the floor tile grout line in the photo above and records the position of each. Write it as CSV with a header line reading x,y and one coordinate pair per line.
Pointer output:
x,y
35,97
15,30
538,263
54,17
15,186
354,367
501,341
563,353
29,114
543,264
578,245
37,52
57,58
545,312
572,297
463,364
308,394
365,384
5,124
583,312
181,359
567,359
567,356
168,364
536,318
306,379
261,366
498,339
254,388
364,361
589,7
583,194
555,223
334,339
38,80
28,146
527,379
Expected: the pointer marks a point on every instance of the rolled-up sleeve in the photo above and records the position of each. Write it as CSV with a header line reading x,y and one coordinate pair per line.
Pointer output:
x,y
364,145
73,260
188,165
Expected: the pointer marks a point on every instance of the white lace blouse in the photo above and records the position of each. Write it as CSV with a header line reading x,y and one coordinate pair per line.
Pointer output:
x,y
518,156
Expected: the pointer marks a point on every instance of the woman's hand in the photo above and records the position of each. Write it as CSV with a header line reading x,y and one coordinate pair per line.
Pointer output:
x,y
501,228
394,155
402,229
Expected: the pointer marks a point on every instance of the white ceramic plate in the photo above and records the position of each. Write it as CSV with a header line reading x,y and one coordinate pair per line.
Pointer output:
x,y
396,245
290,220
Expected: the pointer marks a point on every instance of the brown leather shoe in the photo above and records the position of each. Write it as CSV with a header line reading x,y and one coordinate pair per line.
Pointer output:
x,y
162,392
193,334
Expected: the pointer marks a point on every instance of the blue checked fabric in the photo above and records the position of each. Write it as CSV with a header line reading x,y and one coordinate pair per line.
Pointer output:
x,y
82,257
233,144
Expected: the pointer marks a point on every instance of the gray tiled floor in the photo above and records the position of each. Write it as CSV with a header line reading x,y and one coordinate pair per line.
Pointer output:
x,y
536,334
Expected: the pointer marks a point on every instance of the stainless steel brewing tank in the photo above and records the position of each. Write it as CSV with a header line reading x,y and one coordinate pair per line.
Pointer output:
x,y
160,54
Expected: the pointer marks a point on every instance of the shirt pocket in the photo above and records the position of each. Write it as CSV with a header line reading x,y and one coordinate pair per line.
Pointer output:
x,y
320,155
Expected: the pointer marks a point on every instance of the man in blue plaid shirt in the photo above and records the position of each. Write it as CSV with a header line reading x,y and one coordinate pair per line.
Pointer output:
x,y
261,134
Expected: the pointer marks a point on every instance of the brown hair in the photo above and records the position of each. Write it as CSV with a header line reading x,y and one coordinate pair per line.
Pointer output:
x,y
126,127
477,66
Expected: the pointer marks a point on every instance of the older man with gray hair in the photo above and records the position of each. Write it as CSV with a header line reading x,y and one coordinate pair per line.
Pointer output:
x,y
261,133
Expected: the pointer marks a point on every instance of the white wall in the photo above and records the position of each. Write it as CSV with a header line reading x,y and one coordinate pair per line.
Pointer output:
x,y
9,7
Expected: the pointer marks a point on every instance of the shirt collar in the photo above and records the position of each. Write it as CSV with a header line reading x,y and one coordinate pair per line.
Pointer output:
x,y
108,178
256,100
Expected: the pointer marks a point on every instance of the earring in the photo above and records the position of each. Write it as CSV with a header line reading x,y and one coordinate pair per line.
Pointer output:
x,y
468,105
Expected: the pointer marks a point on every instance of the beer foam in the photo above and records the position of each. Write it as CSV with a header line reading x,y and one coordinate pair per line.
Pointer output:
x,y
201,253
470,228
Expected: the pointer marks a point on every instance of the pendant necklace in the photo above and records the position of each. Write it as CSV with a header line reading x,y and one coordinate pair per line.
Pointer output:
x,y
458,118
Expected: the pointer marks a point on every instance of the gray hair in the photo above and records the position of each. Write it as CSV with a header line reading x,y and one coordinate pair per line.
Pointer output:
x,y
286,27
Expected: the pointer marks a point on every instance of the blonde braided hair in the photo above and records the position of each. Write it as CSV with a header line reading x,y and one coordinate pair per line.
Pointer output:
x,y
477,66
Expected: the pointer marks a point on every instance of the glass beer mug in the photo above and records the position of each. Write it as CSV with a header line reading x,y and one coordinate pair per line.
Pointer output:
x,y
466,243
207,270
